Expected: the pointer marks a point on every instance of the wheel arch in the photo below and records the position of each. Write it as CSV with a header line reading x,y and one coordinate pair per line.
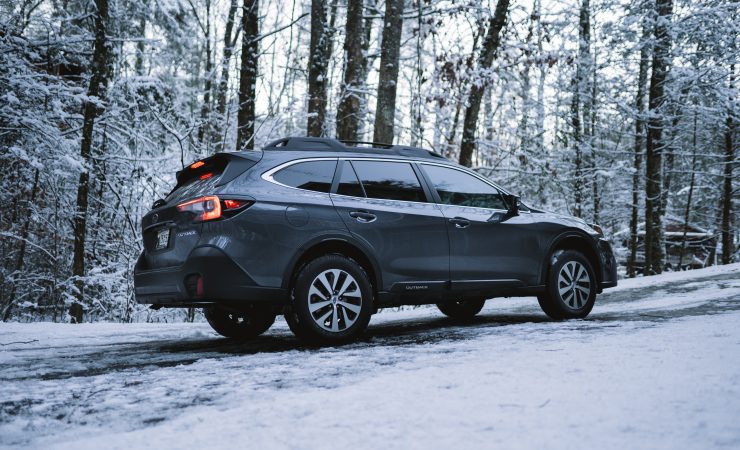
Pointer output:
x,y
339,244
573,240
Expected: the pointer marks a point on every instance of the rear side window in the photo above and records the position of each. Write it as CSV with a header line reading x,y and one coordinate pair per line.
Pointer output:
x,y
389,180
348,182
309,175
456,187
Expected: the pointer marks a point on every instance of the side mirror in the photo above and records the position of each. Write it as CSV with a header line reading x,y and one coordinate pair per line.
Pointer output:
x,y
513,202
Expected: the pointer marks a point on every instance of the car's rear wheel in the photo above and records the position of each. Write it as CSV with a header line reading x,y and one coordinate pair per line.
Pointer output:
x,y
462,309
332,301
571,287
238,324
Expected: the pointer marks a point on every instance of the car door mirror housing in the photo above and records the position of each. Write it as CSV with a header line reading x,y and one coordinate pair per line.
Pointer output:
x,y
513,203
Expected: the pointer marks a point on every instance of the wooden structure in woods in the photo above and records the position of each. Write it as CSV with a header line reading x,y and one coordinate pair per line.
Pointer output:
x,y
686,246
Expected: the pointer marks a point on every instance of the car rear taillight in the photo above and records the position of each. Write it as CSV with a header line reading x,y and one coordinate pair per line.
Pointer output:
x,y
211,207
204,208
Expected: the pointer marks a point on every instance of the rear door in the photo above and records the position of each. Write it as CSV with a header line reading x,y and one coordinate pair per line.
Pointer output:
x,y
384,204
485,251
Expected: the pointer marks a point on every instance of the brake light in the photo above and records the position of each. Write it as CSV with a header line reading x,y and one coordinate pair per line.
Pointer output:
x,y
205,208
206,176
234,204
197,164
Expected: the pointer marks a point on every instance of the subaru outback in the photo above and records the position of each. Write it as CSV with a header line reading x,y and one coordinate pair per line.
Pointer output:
x,y
327,232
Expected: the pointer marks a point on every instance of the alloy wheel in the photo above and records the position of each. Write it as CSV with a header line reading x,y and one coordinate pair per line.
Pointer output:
x,y
334,300
574,285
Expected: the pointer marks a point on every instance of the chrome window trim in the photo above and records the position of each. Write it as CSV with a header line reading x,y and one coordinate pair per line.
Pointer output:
x,y
268,176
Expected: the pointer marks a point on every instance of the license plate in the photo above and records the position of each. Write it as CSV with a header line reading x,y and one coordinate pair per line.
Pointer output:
x,y
163,239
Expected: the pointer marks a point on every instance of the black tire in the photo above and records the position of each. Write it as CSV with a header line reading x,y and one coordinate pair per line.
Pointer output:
x,y
574,302
330,317
462,309
238,324
291,318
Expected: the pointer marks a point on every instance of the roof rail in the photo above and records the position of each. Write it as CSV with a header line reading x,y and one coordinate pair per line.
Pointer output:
x,y
372,144
306,143
334,145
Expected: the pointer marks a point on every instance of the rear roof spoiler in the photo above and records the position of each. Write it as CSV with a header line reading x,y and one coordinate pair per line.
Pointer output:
x,y
228,164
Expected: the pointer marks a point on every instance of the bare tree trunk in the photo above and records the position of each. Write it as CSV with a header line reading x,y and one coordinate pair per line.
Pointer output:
x,y
488,122
727,230
691,194
453,131
654,252
205,109
388,78
22,250
540,141
579,116
318,62
490,46
668,163
91,110
248,72
575,121
223,83
139,61
525,138
417,104
371,9
350,107
596,194
451,137
639,144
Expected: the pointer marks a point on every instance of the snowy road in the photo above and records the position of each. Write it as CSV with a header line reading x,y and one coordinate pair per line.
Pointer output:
x,y
656,365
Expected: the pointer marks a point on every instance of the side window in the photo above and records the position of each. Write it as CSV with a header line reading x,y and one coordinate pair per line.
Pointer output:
x,y
309,175
459,188
389,180
348,182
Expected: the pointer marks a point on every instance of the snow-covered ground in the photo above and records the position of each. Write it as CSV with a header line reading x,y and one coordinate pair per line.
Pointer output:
x,y
656,365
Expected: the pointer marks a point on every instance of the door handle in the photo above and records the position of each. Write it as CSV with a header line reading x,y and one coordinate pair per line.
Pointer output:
x,y
459,222
363,216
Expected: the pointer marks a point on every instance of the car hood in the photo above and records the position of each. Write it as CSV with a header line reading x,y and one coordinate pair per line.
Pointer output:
x,y
567,220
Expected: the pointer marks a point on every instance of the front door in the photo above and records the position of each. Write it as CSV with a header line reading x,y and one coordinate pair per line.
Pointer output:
x,y
487,246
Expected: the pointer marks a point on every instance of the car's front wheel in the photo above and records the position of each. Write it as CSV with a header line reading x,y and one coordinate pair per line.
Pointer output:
x,y
332,301
238,324
571,287
461,309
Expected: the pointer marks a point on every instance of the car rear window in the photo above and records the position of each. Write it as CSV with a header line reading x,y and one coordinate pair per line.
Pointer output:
x,y
203,176
310,175
389,180
194,187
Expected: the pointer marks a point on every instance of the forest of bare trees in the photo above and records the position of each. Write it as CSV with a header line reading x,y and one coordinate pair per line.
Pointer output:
x,y
622,112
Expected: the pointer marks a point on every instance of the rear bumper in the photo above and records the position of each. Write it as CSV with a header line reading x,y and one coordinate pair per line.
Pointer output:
x,y
223,281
